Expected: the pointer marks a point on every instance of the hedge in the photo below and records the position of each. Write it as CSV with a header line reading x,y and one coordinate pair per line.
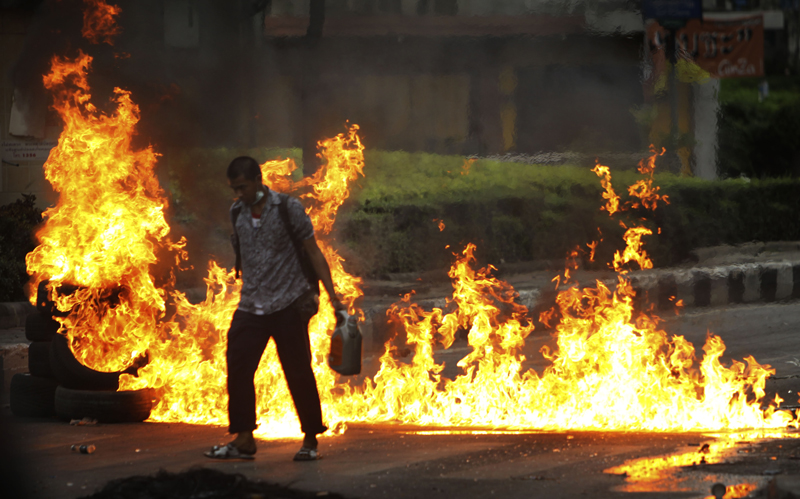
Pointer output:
x,y
513,212
543,212
759,138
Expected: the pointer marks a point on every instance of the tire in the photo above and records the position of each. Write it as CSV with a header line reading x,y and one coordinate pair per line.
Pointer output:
x,y
39,360
45,305
104,406
70,373
40,327
31,396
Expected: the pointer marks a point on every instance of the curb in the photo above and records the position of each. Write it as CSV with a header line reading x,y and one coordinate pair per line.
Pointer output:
x,y
13,314
696,287
716,286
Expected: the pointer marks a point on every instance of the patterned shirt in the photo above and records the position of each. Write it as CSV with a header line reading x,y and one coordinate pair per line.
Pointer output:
x,y
271,273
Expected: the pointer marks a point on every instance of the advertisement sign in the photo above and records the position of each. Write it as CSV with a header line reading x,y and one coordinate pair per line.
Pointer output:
x,y
725,49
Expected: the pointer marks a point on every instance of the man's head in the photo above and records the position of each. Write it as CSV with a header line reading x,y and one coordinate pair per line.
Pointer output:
x,y
244,177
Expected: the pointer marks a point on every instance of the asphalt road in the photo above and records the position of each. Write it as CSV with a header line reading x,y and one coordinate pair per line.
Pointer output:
x,y
403,462
768,332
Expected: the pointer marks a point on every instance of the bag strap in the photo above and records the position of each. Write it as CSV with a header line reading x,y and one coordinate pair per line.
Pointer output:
x,y
302,256
283,210
235,241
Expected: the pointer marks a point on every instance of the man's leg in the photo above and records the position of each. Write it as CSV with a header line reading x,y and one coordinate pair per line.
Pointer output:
x,y
291,339
247,339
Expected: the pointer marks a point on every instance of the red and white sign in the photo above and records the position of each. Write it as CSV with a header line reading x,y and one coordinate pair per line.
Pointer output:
x,y
725,48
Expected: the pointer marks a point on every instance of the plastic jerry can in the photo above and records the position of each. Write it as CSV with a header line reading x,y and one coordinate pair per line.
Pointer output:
x,y
345,354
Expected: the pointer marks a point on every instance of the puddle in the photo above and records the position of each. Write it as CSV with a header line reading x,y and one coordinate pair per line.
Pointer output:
x,y
740,490
678,472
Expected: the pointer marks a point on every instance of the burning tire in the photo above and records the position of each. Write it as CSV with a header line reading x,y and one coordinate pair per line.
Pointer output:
x,y
32,396
45,305
39,327
104,406
74,375
39,360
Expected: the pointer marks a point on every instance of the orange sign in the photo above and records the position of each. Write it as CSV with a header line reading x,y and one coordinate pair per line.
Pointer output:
x,y
726,49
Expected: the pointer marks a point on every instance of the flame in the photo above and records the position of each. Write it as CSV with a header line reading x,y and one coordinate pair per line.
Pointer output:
x,y
592,249
661,473
738,491
108,228
343,157
612,368
189,371
99,21
439,223
643,188
570,264
611,197
633,251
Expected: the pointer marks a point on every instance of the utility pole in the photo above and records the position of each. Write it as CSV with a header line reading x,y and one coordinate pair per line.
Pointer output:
x,y
672,15
311,87
671,48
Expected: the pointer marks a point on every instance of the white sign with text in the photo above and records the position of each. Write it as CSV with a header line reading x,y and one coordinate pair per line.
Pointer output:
x,y
14,150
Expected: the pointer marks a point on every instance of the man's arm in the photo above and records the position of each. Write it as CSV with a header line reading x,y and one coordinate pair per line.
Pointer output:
x,y
322,269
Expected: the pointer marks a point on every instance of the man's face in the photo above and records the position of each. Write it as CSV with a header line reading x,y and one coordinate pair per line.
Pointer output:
x,y
244,189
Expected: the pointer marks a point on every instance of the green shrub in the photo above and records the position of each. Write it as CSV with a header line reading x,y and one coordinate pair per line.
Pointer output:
x,y
517,212
512,212
17,223
759,139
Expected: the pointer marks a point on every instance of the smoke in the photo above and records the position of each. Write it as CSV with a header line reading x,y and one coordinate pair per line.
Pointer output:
x,y
530,78
499,77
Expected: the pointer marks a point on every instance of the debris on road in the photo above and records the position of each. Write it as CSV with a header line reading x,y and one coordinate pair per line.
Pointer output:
x,y
87,421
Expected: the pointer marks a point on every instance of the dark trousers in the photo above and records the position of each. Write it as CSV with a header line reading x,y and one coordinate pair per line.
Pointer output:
x,y
247,339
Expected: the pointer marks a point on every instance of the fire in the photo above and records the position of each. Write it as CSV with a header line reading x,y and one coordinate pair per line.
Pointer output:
x,y
739,491
99,21
662,473
643,189
608,372
189,370
611,197
108,228
633,251
612,368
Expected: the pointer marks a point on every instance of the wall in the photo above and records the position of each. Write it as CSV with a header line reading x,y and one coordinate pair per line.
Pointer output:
x,y
459,95
203,75
19,175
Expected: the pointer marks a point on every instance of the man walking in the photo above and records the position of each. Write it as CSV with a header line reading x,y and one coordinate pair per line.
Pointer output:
x,y
271,231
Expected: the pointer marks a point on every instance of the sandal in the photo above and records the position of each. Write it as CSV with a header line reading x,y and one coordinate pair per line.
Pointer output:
x,y
228,452
307,454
